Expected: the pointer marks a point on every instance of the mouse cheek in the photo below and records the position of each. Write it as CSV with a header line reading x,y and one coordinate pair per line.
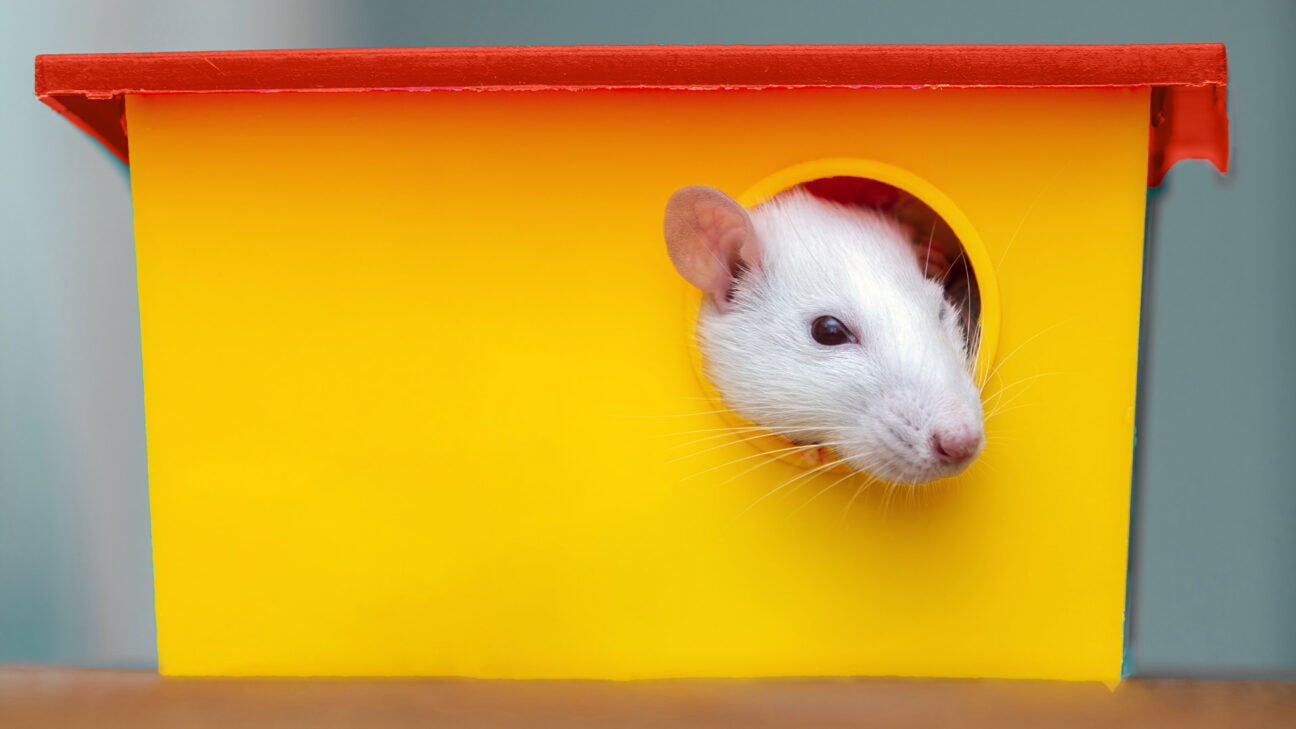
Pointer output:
x,y
861,449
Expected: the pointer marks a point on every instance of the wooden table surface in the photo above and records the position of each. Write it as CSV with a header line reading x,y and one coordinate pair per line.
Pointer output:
x,y
63,697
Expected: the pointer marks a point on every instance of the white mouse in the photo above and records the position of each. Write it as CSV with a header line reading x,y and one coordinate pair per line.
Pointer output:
x,y
818,323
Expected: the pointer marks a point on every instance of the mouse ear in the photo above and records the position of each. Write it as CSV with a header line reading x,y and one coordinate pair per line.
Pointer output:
x,y
710,238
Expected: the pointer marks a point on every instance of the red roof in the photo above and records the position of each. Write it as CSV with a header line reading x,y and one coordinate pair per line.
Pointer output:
x,y
1188,118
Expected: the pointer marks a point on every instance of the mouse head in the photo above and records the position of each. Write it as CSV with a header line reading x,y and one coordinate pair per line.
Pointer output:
x,y
819,323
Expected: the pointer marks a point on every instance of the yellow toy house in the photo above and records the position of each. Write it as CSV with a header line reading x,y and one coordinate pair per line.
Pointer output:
x,y
419,384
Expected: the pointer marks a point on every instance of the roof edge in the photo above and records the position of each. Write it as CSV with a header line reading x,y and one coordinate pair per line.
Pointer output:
x,y
1188,119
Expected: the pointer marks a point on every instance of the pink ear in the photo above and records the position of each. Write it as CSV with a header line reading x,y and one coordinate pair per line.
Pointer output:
x,y
709,237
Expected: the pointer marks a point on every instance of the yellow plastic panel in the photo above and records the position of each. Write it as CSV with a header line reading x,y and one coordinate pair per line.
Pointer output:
x,y
420,401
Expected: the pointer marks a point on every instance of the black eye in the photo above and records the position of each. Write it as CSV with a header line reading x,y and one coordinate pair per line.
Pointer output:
x,y
828,330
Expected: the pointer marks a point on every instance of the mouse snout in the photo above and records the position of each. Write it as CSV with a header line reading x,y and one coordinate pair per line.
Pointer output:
x,y
955,445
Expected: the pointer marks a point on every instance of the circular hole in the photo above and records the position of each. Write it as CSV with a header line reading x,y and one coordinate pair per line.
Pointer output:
x,y
934,222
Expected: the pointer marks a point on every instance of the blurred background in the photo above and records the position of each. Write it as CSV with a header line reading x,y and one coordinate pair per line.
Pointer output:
x,y
1214,543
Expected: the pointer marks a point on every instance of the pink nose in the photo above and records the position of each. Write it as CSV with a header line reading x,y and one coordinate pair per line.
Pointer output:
x,y
953,446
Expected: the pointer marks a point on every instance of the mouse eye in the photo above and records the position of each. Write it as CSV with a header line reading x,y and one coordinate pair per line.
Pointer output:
x,y
830,331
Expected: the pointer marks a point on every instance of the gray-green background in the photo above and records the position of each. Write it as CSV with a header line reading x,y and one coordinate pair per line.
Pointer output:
x,y
1215,537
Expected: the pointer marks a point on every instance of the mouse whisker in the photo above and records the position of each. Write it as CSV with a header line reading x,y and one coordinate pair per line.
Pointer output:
x,y
952,266
823,491
1008,410
1029,209
997,397
930,237
809,473
746,435
803,478
1002,407
761,454
1000,403
726,444
863,485
994,434
886,499
748,470
700,413
730,429
694,414
973,351
1003,360
967,313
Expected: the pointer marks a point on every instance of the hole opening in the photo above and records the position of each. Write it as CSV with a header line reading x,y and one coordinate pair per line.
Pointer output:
x,y
927,213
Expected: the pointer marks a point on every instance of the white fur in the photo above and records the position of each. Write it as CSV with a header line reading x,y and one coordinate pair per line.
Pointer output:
x,y
876,403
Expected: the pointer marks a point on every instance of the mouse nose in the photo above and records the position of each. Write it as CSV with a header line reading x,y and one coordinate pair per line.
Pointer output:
x,y
954,446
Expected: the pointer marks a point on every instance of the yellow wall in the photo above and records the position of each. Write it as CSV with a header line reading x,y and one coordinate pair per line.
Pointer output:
x,y
418,391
